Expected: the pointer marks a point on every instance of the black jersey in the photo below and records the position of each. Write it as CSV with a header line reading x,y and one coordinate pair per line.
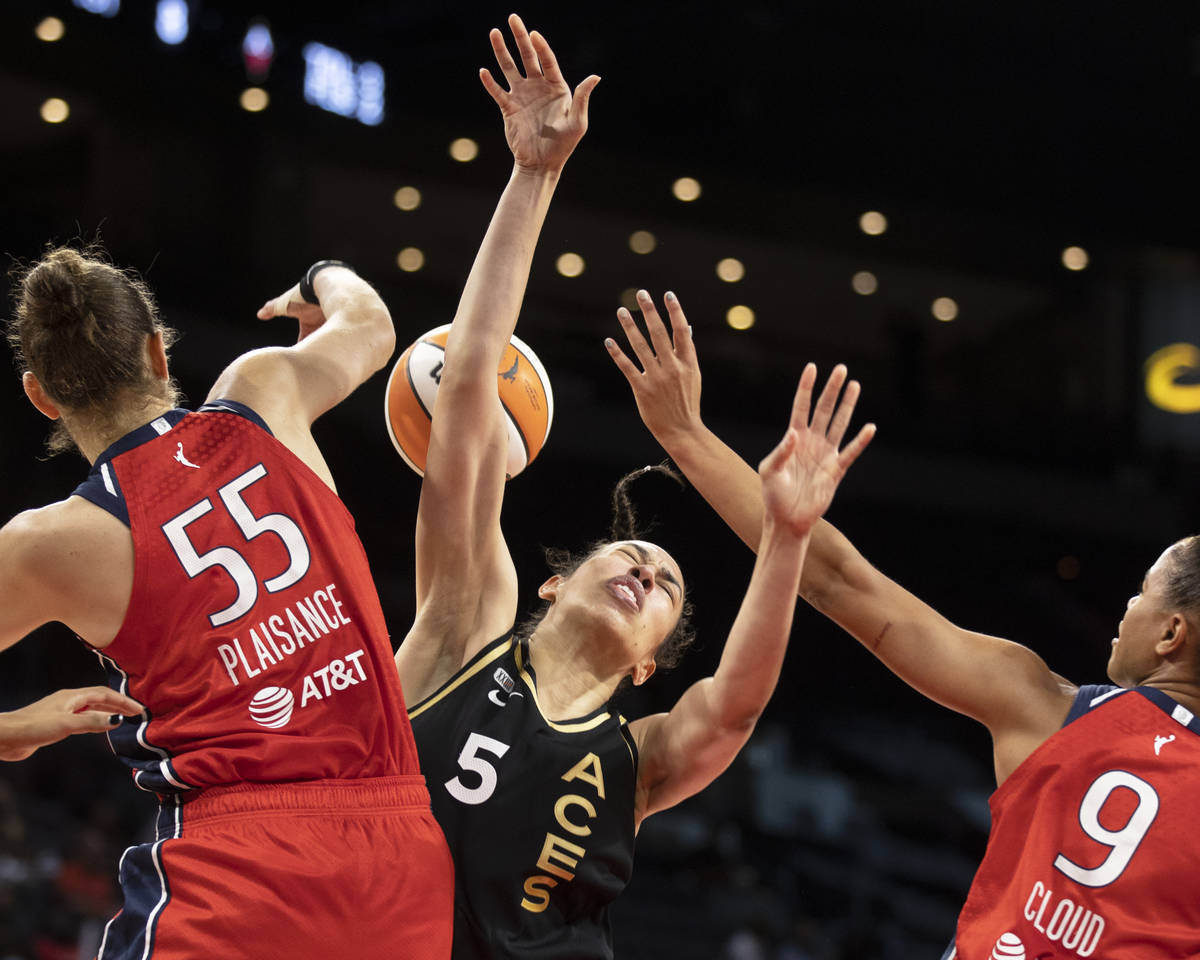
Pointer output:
x,y
538,814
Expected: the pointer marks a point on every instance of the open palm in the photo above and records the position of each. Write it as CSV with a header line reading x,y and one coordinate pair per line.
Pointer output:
x,y
543,120
801,475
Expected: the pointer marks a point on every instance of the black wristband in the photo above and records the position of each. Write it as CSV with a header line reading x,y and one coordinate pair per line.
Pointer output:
x,y
307,293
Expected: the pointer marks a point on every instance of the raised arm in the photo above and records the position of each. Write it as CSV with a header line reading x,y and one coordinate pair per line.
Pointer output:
x,y
466,583
684,750
1004,685
343,339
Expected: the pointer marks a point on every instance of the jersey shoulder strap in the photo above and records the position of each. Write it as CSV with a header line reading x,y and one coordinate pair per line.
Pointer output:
x,y
101,486
225,405
480,662
1091,696
1167,704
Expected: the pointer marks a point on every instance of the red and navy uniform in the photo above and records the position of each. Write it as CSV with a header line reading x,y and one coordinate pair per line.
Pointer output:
x,y
293,815
1093,849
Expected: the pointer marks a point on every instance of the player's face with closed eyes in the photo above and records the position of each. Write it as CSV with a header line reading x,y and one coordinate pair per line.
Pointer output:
x,y
637,587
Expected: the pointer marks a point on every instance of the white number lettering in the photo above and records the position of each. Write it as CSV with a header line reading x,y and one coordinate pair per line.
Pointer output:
x,y
1124,842
469,761
282,526
194,563
232,562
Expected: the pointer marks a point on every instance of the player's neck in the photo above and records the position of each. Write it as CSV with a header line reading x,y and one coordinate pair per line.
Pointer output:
x,y
568,684
1185,692
96,433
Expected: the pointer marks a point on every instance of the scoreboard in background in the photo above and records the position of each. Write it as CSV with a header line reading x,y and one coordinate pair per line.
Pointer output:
x,y
333,80
104,8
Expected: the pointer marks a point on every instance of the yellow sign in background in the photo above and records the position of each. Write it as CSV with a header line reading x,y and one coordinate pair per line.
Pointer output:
x,y
1165,369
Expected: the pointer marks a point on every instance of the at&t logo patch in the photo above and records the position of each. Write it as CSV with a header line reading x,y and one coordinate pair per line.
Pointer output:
x,y
1009,947
272,706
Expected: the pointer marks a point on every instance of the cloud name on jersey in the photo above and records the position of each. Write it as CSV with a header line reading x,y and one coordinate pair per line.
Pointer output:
x,y
282,634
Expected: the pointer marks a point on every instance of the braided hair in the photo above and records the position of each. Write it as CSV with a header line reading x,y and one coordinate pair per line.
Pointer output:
x,y
624,525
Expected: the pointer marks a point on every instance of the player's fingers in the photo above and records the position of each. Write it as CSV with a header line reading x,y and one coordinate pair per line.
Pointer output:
x,y
654,325
104,699
546,58
273,307
803,398
681,330
281,305
856,446
504,59
579,102
529,58
823,411
495,91
624,364
94,721
845,410
640,348
776,458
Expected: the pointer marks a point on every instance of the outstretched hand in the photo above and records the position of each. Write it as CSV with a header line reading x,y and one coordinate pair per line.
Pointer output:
x,y
800,476
309,316
667,387
61,714
543,120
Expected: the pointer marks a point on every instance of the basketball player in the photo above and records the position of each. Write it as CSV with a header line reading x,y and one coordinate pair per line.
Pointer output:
x,y
1093,849
538,783
59,715
210,564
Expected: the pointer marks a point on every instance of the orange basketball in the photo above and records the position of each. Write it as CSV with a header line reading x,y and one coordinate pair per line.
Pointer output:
x,y
524,391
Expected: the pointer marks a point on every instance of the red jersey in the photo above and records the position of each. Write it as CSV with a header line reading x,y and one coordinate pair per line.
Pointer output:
x,y
1093,849
254,635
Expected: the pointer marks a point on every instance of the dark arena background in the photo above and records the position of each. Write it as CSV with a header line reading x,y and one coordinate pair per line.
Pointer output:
x,y
987,210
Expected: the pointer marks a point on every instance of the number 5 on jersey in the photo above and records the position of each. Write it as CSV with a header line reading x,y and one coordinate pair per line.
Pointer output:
x,y
227,558
471,762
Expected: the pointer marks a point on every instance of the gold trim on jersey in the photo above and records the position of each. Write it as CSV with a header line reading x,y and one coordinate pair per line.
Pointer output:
x,y
627,736
577,727
492,656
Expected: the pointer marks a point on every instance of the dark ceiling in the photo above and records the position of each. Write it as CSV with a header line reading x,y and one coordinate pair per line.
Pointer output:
x,y
991,136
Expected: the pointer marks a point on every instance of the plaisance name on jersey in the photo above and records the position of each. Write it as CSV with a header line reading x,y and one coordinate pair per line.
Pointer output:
x,y
282,634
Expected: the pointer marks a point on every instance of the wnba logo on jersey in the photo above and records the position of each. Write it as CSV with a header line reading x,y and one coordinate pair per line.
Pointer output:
x,y
272,707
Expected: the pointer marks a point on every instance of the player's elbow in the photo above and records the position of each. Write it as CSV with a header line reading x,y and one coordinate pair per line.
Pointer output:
x,y
736,718
735,702
727,738
831,587
380,334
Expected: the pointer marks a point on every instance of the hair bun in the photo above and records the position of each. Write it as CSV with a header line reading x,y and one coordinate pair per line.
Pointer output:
x,y
56,285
